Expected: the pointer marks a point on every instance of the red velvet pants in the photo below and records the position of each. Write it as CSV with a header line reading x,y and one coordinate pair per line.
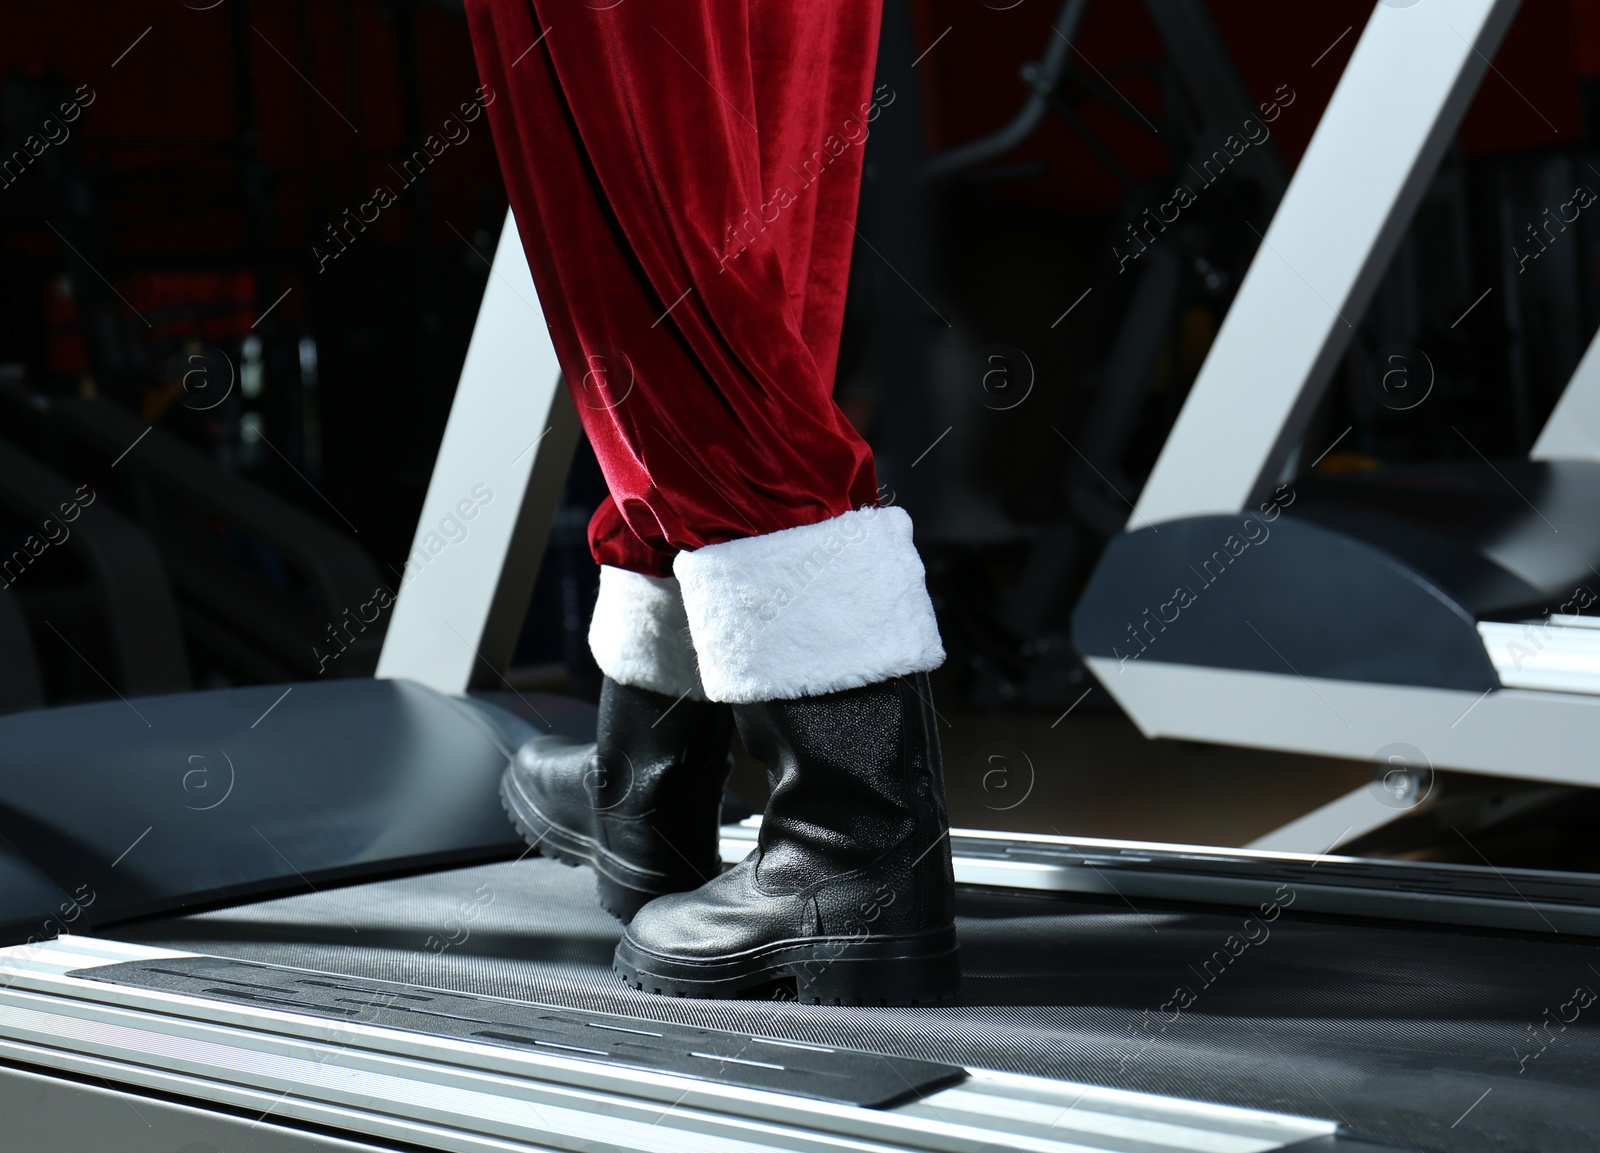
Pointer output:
x,y
685,174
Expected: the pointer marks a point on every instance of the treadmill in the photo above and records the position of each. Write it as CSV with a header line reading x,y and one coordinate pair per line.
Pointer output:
x,y
1425,617
292,917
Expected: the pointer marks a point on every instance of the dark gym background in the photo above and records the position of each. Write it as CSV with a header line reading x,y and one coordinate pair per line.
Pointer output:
x,y
211,320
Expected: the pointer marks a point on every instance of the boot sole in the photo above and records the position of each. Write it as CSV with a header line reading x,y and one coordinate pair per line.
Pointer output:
x,y
572,848
917,969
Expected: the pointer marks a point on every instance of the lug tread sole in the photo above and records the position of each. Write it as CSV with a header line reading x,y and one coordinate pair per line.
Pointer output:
x,y
867,981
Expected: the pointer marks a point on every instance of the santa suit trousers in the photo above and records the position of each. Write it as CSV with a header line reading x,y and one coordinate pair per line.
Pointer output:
x,y
684,175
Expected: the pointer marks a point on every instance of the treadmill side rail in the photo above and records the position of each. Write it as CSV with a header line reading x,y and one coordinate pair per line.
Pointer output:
x,y
820,1072
1409,892
446,1093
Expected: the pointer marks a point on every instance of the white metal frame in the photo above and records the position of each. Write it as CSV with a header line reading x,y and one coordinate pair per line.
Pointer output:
x,y
1573,430
460,600
1378,144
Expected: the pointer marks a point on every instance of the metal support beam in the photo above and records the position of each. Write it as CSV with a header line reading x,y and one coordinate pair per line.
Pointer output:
x,y
1573,430
1377,146
1324,829
492,497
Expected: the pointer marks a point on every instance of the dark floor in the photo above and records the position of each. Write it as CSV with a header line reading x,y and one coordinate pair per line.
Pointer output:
x,y
1444,1040
1094,775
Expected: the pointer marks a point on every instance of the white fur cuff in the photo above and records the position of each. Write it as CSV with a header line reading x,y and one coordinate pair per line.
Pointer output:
x,y
639,635
810,610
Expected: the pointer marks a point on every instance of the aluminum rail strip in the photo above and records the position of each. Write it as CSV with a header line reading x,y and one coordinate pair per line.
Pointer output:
x,y
1523,900
811,1069
442,1093
1556,654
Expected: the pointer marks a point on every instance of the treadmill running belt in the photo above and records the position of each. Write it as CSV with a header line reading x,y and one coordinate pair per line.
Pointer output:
x,y
821,1072
1392,1031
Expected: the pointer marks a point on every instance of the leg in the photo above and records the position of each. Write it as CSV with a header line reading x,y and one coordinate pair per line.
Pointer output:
x,y
641,804
702,267
688,265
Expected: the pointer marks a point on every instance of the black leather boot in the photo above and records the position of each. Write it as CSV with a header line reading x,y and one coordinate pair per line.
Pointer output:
x,y
849,892
642,805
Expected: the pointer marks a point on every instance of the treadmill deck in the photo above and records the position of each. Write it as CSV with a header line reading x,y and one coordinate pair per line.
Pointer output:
x,y
1442,1039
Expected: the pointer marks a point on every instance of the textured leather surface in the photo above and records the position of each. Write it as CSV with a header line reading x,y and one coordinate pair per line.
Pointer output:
x,y
648,792
854,840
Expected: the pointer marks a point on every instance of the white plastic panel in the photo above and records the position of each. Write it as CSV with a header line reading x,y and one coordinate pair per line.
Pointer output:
x,y
1540,736
1548,655
1573,430
503,407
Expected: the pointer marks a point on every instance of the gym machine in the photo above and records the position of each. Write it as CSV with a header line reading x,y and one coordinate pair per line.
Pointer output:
x,y
1423,617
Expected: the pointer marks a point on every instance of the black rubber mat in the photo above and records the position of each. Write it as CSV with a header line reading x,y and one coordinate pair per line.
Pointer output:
x,y
1439,1039
821,1072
